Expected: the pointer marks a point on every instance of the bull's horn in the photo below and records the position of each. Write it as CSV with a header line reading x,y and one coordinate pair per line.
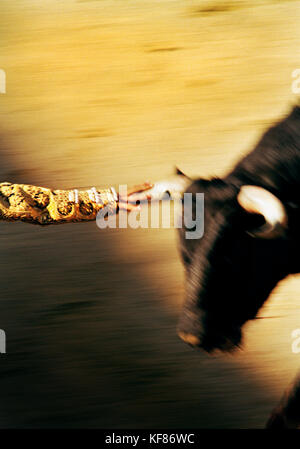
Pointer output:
x,y
257,200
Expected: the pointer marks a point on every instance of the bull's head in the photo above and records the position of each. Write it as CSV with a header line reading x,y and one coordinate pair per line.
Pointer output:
x,y
232,269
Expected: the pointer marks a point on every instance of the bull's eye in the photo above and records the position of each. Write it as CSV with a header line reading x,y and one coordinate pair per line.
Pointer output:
x,y
166,195
186,259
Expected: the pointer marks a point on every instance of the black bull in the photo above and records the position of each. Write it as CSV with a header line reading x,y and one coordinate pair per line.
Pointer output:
x,y
229,272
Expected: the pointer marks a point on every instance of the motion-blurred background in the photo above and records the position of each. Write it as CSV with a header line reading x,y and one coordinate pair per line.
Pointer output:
x,y
111,92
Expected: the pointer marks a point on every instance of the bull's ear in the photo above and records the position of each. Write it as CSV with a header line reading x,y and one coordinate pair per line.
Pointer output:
x,y
180,173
